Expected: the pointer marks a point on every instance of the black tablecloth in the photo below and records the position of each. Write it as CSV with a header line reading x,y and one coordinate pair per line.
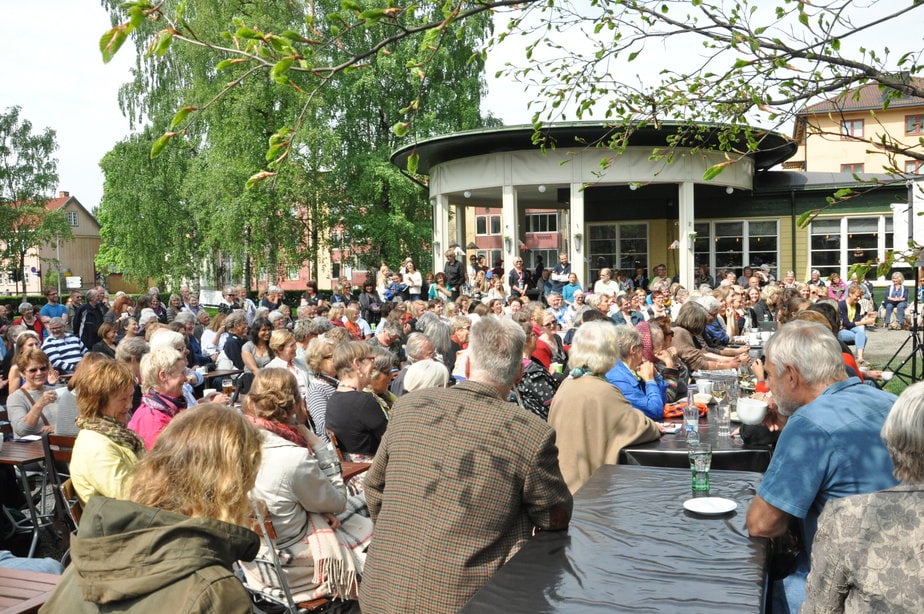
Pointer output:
x,y
728,453
632,547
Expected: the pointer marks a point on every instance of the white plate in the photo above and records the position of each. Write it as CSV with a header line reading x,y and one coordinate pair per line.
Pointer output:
x,y
709,506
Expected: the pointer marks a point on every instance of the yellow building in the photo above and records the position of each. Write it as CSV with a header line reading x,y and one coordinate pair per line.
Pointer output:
x,y
853,133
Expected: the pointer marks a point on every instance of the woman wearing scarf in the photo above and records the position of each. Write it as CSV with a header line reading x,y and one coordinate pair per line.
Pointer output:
x,y
163,373
636,374
301,484
105,451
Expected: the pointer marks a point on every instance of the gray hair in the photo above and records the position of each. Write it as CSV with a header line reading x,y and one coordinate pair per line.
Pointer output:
x,y
185,317
234,320
24,307
810,349
496,351
627,337
593,300
903,434
417,346
426,374
275,315
392,327
383,361
594,347
438,331
132,347
167,338
157,360
458,322
301,330
319,326
708,301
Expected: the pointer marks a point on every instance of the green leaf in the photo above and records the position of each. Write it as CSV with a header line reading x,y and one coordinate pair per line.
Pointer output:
x,y
160,143
280,68
164,40
111,41
400,129
350,5
713,171
803,220
413,161
181,115
246,32
258,177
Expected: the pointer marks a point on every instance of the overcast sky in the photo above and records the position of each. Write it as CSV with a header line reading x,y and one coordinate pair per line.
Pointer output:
x,y
51,67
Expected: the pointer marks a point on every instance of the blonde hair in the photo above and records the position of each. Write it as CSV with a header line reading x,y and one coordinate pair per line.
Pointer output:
x,y
159,359
99,380
279,339
273,395
203,465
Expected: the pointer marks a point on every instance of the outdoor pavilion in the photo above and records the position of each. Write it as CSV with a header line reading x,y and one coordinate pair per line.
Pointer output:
x,y
575,171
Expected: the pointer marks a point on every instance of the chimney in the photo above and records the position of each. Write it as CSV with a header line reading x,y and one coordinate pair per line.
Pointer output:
x,y
63,194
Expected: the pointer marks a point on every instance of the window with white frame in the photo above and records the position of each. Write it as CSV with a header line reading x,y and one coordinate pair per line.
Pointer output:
x,y
491,256
549,258
914,167
73,219
852,128
621,247
734,245
852,168
293,273
542,222
487,224
914,124
837,243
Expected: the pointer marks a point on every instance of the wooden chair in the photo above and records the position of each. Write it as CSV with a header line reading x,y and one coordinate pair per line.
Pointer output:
x,y
262,525
6,427
333,440
58,450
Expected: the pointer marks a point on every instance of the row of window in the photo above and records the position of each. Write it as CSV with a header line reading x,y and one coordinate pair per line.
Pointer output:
x,y
835,244
535,222
912,167
853,128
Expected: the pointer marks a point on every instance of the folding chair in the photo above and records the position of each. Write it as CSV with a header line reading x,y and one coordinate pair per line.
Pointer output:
x,y
263,525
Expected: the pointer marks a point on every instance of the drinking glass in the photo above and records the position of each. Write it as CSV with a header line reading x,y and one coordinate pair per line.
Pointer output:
x,y
721,393
700,455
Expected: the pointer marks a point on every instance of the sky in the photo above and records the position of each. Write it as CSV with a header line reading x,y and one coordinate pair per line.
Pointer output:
x,y
51,67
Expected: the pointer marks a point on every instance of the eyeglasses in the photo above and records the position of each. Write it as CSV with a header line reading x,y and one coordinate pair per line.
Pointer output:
x,y
37,370
549,325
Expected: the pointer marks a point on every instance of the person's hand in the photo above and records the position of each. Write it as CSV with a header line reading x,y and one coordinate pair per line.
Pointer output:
x,y
758,368
332,520
647,371
773,420
742,350
53,377
667,357
48,397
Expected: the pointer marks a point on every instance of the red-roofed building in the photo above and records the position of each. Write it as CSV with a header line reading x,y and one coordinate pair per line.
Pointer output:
x,y
839,134
71,258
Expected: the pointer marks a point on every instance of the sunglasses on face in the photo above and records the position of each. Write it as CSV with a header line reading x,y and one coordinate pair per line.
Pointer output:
x,y
37,370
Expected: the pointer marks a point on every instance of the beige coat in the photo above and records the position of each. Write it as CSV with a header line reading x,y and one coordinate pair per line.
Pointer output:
x,y
593,422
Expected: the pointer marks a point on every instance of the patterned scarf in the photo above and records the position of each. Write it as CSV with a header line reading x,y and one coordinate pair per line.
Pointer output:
x,y
285,431
114,430
164,404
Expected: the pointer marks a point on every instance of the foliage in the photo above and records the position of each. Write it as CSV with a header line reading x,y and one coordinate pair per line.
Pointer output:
x,y
28,174
276,152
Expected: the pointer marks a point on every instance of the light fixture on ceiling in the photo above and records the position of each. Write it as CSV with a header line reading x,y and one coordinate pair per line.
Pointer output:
x,y
729,190
633,186
541,188
467,194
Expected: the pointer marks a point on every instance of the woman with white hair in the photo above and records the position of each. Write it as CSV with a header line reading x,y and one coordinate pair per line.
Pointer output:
x,y
869,549
426,374
591,417
163,373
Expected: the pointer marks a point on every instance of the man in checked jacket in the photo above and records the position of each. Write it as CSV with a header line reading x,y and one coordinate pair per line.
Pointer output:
x,y
459,483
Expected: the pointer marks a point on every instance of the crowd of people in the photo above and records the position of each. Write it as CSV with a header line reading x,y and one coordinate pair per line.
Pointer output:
x,y
483,399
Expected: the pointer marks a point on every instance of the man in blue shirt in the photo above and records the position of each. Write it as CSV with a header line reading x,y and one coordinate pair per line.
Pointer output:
x,y
830,446
52,308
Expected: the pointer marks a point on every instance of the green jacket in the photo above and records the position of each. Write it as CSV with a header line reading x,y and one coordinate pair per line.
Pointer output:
x,y
133,558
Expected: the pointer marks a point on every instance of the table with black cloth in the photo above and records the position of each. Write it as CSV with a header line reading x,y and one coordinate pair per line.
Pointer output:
x,y
632,547
671,451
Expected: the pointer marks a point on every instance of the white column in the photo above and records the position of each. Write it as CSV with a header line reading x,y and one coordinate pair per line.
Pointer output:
x,y
577,242
440,229
509,224
686,216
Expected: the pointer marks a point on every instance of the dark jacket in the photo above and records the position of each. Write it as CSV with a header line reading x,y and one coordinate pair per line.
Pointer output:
x,y
87,321
133,558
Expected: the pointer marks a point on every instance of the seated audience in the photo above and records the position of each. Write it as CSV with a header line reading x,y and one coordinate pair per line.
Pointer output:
x,y
591,417
163,373
867,553
300,482
354,415
33,408
105,451
170,547
833,420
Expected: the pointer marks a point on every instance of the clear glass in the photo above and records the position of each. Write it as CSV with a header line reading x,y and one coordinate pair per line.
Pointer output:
x,y
700,456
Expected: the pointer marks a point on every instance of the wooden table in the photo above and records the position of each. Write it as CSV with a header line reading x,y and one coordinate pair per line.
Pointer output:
x,y
632,547
24,592
18,454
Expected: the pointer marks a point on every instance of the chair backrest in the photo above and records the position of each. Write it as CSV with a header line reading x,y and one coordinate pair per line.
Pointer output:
x,y
60,446
58,450
333,440
73,505
262,525
6,427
